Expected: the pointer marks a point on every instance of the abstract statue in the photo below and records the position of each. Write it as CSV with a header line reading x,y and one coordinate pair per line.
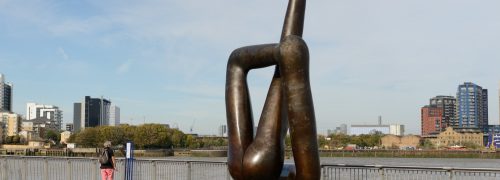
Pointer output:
x,y
288,103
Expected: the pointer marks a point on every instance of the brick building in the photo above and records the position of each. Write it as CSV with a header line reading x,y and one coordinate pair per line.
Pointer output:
x,y
431,119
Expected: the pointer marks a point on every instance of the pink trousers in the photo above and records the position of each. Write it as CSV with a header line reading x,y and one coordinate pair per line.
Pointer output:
x,y
107,174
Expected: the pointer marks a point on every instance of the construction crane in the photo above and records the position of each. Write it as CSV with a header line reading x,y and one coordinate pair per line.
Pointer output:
x,y
191,127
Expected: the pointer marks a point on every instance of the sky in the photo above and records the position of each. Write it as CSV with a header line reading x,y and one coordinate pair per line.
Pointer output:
x,y
164,61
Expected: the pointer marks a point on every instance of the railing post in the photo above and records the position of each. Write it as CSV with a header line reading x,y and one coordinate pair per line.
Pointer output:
x,y
381,172
450,172
189,170
96,168
46,169
4,168
323,172
228,175
154,170
24,175
70,170
2,172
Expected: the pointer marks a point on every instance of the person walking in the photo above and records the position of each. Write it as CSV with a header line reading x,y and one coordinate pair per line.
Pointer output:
x,y
108,163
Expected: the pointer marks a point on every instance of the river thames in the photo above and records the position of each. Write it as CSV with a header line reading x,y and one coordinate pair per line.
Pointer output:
x,y
423,162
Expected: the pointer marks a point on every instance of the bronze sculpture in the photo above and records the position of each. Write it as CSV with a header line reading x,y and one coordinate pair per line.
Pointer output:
x,y
288,103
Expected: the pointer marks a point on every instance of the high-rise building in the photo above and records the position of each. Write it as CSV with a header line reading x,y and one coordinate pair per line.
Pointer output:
x,y
5,95
499,101
91,112
329,132
49,113
448,104
223,131
342,129
472,106
77,116
114,116
431,120
69,127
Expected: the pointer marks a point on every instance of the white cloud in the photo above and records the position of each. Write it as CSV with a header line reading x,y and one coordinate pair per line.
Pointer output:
x,y
63,53
124,67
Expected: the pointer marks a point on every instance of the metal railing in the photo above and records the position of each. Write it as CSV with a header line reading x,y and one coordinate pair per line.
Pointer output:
x,y
67,168
375,172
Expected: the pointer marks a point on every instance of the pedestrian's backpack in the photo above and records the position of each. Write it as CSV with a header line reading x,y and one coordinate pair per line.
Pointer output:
x,y
103,157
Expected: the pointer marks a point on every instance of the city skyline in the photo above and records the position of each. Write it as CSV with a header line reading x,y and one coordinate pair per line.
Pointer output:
x,y
164,62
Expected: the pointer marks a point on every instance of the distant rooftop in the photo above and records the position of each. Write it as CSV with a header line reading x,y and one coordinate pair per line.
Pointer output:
x,y
375,125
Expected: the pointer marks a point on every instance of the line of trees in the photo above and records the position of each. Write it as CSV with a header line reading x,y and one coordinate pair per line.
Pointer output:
x,y
147,136
334,141
342,140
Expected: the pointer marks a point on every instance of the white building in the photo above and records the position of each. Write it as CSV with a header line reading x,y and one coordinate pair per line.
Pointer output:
x,y
394,129
49,112
369,129
397,129
114,116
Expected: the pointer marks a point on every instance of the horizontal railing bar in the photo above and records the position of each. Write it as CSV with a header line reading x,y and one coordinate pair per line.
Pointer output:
x,y
120,158
175,160
410,167
45,157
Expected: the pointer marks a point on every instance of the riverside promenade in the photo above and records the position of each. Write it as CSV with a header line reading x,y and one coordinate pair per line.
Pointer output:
x,y
65,168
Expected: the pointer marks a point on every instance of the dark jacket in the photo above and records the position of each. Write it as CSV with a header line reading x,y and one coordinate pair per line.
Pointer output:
x,y
108,165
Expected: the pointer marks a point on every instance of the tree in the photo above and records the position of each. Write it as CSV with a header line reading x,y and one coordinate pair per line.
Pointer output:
x,y
143,136
111,133
72,138
427,144
8,140
52,135
177,137
128,132
88,137
16,139
151,136
321,141
288,141
193,143
340,140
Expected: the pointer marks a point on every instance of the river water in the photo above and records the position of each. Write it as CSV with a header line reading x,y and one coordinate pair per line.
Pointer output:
x,y
423,162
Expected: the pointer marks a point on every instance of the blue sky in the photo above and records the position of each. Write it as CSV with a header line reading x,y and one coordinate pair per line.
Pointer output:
x,y
165,60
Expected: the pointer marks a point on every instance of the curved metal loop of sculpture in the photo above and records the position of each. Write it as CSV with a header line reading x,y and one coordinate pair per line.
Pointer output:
x,y
288,103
